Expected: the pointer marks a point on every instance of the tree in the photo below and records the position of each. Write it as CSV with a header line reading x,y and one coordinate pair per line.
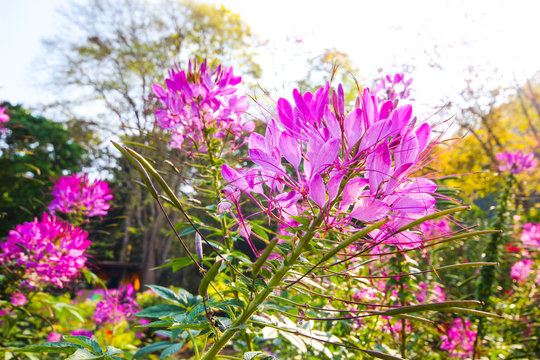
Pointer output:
x,y
494,125
108,57
34,152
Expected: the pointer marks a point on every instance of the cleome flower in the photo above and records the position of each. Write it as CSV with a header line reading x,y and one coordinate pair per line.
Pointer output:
x,y
50,251
200,104
116,305
355,167
516,162
459,341
531,236
77,194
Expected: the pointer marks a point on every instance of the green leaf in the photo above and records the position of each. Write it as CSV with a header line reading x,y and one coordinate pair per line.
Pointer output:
x,y
171,350
380,355
165,293
85,342
250,355
160,311
50,347
83,354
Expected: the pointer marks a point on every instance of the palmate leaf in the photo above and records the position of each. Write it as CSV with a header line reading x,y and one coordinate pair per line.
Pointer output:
x,y
160,311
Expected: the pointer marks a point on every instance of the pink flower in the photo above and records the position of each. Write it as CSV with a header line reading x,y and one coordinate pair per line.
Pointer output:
x,y
200,103
82,332
516,162
392,88
3,116
434,228
50,251
117,305
520,271
308,149
54,337
459,341
531,236
18,299
77,194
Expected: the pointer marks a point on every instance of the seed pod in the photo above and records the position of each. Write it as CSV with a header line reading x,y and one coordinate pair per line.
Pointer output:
x,y
260,261
210,275
198,246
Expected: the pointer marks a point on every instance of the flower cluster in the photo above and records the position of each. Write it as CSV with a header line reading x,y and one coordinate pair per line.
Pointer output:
x,y
50,250
530,237
434,228
201,104
459,341
520,271
117,305
355,167
77,194
516,162
392,88
3,118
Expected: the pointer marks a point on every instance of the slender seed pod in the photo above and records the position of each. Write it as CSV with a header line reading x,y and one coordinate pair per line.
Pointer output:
x,y
260,261
210,275
198,246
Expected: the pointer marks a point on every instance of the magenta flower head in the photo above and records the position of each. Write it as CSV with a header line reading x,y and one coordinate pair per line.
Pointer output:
x,y
516,162
357,166
434,228
459,341
200,104
82,332
520,271
18,299
54,337
3,116
531,236
50,251
77,194
116,305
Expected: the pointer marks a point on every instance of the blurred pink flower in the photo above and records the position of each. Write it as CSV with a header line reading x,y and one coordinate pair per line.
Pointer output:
x,y
54,337
3,116
117,305
520,271
51,251
393,88
459,341
531,236
516,162
82,332
77,194
18,299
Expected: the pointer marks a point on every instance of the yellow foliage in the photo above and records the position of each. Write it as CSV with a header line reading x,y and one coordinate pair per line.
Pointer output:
x,y
503,128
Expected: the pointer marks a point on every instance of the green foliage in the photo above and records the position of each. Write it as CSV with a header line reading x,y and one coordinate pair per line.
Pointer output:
x,y
35,152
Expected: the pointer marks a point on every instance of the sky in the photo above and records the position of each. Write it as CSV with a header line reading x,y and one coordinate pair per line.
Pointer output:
x,y
443,40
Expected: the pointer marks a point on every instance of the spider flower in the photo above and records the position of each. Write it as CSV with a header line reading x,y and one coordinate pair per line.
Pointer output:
x,y
531,236
117,305
520,271
459,341
516,162
3,119
50,251
18,299
392,88
354,166
200,104
77,194
3,116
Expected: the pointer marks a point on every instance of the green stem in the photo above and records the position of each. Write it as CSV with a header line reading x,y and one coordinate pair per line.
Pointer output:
x,y
274,282
195,348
